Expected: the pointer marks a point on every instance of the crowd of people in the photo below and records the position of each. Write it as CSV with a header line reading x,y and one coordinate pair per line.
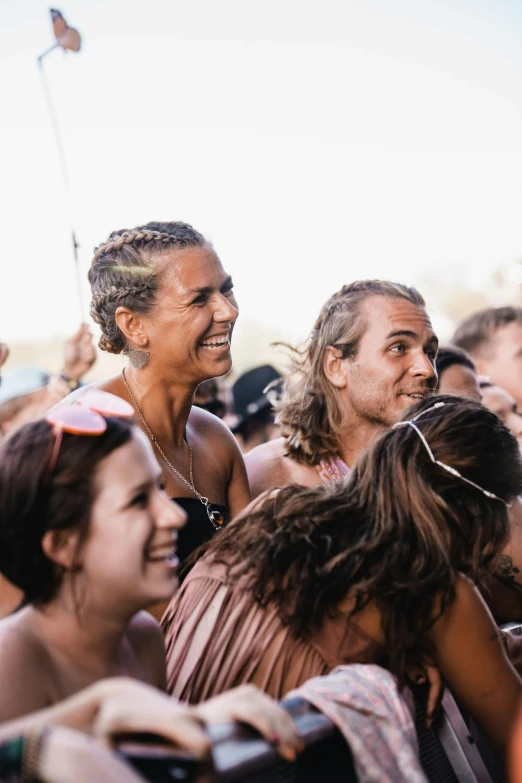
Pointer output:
x,y
364,509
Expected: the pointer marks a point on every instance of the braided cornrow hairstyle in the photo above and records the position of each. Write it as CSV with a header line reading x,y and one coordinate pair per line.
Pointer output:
x,y
123,272
311,412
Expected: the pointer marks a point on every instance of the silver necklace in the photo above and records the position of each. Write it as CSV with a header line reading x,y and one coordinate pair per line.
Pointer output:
x,y
215,517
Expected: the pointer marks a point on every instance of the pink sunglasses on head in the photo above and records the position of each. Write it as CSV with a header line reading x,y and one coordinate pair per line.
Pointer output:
x,y
85,416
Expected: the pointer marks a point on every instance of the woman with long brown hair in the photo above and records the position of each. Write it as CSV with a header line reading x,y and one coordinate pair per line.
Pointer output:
x,y
376,569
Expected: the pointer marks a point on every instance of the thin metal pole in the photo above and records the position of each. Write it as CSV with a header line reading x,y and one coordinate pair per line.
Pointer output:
x,y
65,174
50,49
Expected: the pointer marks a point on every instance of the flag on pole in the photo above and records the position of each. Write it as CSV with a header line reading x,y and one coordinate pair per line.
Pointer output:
x,y
66,37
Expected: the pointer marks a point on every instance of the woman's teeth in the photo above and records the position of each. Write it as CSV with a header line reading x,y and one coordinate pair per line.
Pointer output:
x,y
217,342
162,554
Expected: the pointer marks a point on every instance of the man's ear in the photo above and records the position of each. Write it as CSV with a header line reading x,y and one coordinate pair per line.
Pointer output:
x,y
132,327
60,546
334,367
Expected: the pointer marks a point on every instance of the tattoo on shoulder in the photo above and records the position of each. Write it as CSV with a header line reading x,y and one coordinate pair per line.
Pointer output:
x,y
506,570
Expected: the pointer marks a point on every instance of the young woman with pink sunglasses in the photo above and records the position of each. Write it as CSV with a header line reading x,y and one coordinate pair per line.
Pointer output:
x,y
89,536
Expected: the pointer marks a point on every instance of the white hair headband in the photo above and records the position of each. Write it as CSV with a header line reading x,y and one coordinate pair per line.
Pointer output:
x,y
448,468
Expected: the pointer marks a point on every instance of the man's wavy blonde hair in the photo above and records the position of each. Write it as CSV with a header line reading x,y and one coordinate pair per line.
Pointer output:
x,y
311,412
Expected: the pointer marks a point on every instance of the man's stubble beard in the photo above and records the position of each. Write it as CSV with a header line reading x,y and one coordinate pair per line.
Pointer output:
x,y
376,414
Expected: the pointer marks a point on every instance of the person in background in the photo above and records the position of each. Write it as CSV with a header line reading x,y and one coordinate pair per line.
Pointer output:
x,y
26,393
254,395
493,339
457,373
79,357
503,405
501,590
505,590
208,397
10,596
4,355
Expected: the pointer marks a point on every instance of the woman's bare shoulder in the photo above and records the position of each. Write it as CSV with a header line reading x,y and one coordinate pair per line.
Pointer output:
x,y
146,639
210,428
269,466
142,628
25,668
16,631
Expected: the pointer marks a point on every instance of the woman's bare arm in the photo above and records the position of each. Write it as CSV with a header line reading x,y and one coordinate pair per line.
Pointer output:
x,y
76,712
120,705
472,661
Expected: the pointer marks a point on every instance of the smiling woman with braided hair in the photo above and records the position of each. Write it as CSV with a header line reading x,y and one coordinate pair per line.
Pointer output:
x,y
162,298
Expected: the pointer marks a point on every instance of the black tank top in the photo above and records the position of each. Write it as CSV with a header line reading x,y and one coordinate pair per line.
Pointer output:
x,y
198,529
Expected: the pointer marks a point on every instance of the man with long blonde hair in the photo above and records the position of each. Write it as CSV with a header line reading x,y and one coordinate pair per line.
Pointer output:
x,y
370,355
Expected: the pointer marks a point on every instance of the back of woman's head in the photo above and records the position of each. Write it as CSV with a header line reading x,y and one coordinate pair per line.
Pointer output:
x,y
433,510
396,531
34,501
125,272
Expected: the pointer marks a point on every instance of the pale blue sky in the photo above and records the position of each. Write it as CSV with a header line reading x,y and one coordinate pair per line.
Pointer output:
x,y
313,141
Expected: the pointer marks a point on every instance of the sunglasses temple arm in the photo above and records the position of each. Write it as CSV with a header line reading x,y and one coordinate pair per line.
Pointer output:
x,y
58,434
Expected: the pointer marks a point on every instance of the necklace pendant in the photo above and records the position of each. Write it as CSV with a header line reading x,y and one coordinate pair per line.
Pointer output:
x,y
216,517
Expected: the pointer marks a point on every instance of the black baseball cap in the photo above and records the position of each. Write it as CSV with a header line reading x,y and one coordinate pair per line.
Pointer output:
x,y
250,393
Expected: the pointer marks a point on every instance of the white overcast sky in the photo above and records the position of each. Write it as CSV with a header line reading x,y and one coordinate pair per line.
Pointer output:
x,y
313,141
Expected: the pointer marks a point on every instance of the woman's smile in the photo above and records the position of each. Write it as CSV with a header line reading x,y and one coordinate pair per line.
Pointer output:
x,y
217,344
163,554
